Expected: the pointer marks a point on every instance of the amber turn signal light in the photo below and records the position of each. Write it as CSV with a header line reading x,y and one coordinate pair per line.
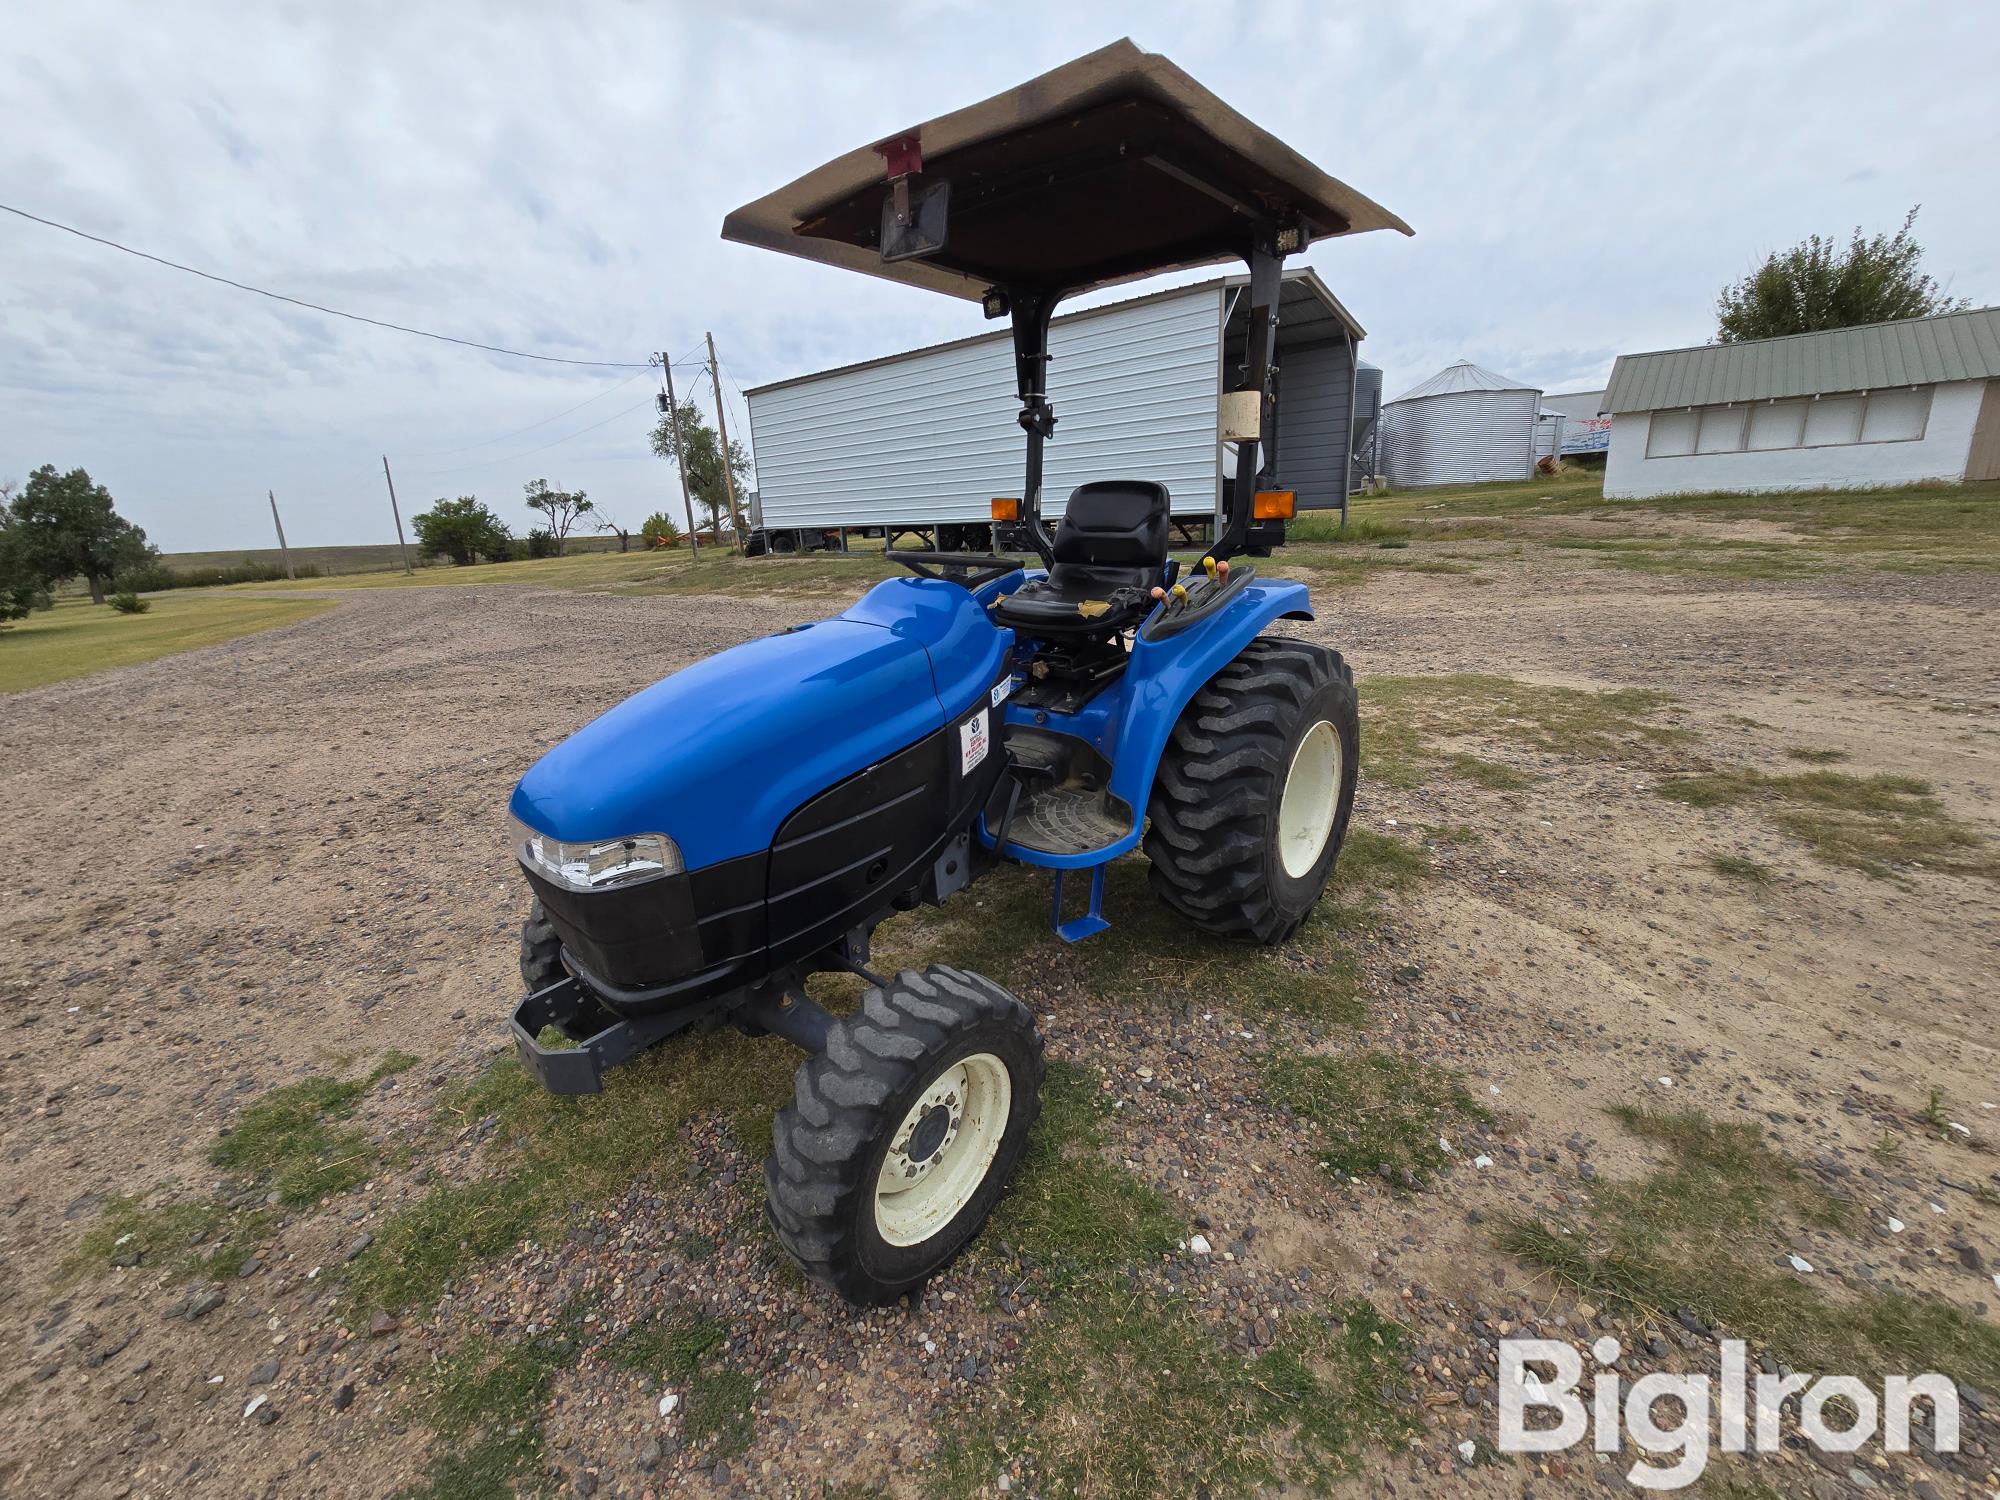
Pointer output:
x,y
1006,510
1275,505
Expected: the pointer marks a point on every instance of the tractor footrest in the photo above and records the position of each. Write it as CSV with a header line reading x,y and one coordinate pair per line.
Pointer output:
x,y
580,1069
1066,820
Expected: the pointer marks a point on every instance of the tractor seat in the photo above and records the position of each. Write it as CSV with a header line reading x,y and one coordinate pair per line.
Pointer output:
x,y
1109,551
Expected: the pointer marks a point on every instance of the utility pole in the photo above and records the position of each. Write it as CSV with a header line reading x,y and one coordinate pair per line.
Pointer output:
x,y
405,546
290,573
680,456
722,432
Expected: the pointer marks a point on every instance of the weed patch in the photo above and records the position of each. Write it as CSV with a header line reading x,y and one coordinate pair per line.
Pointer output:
x,y
1375,1112
1704,1233
487,1402
1875,824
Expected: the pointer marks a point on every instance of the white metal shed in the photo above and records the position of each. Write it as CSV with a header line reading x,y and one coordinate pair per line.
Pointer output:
x,y
928,438
1465,425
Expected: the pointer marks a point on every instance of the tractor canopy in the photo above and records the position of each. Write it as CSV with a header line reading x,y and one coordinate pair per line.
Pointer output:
x,y
1114,166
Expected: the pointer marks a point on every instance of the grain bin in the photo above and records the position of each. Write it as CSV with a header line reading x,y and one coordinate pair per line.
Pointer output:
x,y
1465,425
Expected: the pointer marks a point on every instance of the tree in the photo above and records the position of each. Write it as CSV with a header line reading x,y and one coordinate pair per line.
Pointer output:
x,y
661,530
1816,284
22,587
562,507
70,530
704,465
608,522
462,530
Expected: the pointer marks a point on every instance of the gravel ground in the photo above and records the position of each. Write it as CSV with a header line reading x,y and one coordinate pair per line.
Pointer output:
x,y
286,856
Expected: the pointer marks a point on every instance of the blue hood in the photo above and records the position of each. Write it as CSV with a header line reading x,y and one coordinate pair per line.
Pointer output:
x,y
718,755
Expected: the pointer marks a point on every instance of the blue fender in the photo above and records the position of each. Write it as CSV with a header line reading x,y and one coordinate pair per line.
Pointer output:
x,y
718,755
1129,724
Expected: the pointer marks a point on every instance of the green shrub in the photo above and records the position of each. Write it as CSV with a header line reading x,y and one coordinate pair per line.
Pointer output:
x,y
129,603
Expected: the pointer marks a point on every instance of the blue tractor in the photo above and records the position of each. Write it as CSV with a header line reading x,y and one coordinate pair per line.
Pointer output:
x,y
701,850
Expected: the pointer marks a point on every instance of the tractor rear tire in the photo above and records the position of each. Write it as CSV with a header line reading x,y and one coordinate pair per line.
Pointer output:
x,y
902,1135
541,951
1254,791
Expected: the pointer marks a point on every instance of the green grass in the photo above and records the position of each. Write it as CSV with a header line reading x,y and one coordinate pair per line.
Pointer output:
x,y
77,638
366,557
202,1237
1880,825
1072,1209
1405,718
1374,1113
1738,867
1150,955
550,1157
1123,1397
1700,559
486,1405
1814,756
288,1141
1490,774
289,1138
1707,1231
682,1352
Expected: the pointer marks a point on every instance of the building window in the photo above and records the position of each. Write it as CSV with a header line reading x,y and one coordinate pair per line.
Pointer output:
x,y
1671,434
1780,424
1834,421
1899,416
1721,430
1896,416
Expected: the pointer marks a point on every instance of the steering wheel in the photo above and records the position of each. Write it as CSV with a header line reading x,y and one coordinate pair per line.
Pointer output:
x,y
972,569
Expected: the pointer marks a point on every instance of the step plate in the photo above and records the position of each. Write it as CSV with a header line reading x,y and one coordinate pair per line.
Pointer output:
x,y
1065,820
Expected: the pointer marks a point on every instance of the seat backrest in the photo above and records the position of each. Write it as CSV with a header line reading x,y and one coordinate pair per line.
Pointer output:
x,y
1115,523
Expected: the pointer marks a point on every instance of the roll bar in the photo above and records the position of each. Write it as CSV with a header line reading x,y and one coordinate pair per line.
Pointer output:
x,y
1030,308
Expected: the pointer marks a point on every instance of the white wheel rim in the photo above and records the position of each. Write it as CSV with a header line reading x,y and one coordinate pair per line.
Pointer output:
x,y
940,1151
1305,809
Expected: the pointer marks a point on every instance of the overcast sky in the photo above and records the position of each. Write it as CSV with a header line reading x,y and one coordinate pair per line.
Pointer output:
x,y
1582,180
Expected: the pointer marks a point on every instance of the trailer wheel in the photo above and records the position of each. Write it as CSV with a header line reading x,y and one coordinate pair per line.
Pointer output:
x,y
1252,797
904,1132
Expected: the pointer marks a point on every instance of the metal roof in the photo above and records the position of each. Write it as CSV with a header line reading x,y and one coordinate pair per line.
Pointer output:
x,y
1463,376
1875,356
1302,300
1155,174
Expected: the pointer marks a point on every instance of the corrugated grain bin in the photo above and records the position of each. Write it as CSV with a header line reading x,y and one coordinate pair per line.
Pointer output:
x,y
1464,425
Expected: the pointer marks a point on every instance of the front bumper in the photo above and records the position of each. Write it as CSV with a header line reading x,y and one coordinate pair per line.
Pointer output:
x,y
580,1068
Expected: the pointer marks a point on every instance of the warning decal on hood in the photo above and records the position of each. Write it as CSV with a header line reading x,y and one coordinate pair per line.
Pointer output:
x,y
972,742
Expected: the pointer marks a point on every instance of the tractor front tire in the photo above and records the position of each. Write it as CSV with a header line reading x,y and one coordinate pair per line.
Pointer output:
x,y
1254,791
541,951
904,1132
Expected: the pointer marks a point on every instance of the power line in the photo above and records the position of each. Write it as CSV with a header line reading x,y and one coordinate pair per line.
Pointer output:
x,y
517,457
422,333
487,442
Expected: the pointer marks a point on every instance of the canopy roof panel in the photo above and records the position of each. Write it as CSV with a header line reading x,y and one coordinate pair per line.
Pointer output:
x,y
1113,166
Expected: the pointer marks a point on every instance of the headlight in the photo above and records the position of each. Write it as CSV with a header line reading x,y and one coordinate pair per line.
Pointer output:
x,y
591,867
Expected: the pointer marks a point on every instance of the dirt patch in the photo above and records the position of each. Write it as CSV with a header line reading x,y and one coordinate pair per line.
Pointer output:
x,y
285,858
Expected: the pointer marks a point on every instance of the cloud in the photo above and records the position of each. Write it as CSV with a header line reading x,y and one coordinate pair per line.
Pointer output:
x,y
1582,181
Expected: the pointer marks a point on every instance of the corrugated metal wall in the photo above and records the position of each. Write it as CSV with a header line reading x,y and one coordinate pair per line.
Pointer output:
x,y
1312,422
933,437
1466,438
